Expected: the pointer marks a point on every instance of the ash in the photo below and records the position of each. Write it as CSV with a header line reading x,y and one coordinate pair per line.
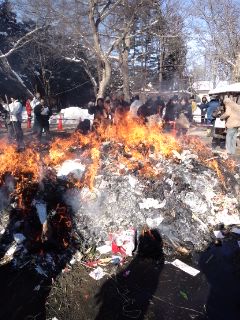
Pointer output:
x,y
184,200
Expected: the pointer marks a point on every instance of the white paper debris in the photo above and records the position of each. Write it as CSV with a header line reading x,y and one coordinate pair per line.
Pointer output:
x,y
19,237
152,203
71,166
154,222
41,210
2,231
132,181
72,261
97,273
218,234
37,288
186,268
40,271
104,249
235,230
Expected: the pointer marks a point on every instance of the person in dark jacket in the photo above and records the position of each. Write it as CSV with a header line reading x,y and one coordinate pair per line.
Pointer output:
x,y
203,106
159,106
98,109
42,113
183,116
84,126
146,110
170,113
211,106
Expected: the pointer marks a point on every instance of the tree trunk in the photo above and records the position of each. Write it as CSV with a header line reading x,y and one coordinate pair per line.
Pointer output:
x,y
105,78
104,66
124,67
237,69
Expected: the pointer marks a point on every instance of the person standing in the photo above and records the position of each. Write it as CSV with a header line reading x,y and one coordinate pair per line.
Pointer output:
x,y
42,113
183,116
203,106
14,125
232,117
135,105
35,101
170,113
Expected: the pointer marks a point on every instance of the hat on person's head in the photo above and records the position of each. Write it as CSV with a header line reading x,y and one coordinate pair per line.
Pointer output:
x,y
107,99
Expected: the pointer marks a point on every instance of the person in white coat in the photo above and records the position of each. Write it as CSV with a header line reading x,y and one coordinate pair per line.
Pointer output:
x,y
15,120
35,101
136,104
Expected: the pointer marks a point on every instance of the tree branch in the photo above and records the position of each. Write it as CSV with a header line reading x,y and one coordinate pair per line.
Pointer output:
x,y
19,43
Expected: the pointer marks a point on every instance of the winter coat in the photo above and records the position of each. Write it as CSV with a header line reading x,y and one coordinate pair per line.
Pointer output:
x,y
211,107
170,112
97,111
42,113
184,116
147,110
232,114
186,110
35,101
15,109
136,104
28,107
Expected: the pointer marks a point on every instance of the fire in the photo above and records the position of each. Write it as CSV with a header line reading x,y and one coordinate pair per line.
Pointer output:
x,y
129,143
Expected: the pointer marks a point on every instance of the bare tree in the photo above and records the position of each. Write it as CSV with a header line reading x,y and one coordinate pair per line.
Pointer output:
x,y
218,30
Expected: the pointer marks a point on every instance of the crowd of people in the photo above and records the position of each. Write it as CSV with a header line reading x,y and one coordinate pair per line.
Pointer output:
x,y
176,114
12,114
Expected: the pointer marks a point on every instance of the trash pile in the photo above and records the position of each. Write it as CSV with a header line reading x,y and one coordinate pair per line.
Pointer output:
x,y
184,201
100,191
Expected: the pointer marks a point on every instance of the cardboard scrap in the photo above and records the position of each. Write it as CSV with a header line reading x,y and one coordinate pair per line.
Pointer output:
x,y
97,273
184,267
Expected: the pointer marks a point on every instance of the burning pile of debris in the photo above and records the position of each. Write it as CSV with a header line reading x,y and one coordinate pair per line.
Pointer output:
x,y
101,189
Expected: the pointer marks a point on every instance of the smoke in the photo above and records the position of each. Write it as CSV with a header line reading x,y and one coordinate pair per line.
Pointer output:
x,y
5,192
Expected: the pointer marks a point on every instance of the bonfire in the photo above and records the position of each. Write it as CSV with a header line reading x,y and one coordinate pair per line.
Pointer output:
x,y
84,188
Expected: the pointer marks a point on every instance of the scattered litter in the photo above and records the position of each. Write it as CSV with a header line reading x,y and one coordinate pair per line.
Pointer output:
x,y
126,273
40,271
148,203
72,261
11,250
104,262
41,210
209,259
71,166
218,234
183,266
132,181
123,242
116,260
235,230
37,288
97,273
104,249
153,223
184,295
2,231
19,237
